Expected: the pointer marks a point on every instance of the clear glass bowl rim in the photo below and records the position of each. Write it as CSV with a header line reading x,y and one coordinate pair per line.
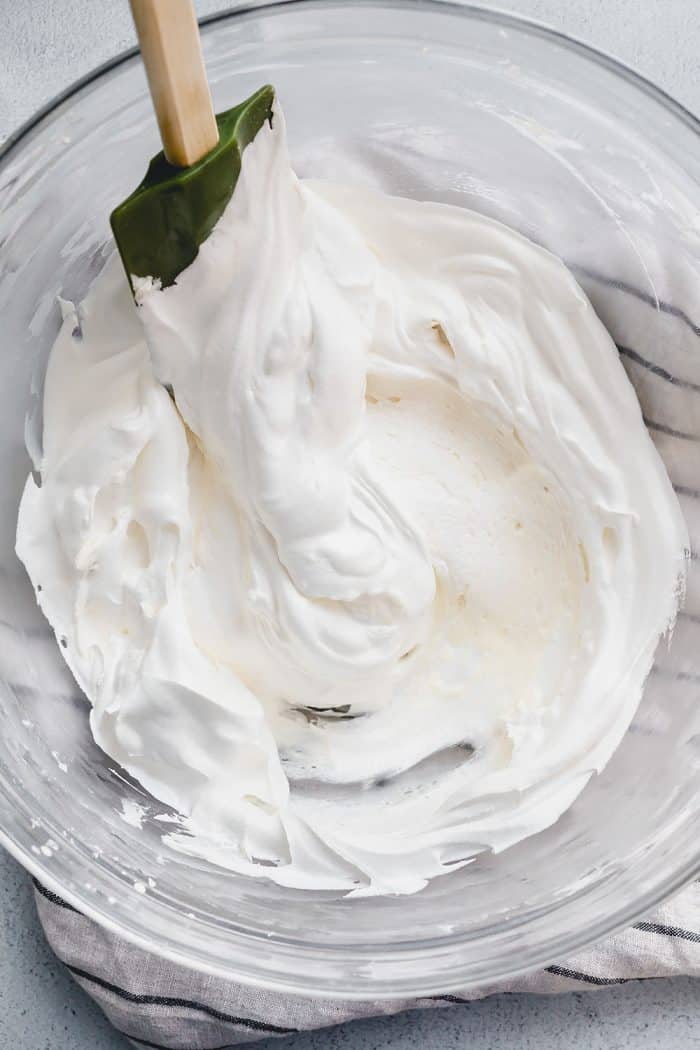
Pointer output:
x,y
438,949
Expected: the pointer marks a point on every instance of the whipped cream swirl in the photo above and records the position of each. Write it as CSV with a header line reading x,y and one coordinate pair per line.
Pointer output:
x,y
354,537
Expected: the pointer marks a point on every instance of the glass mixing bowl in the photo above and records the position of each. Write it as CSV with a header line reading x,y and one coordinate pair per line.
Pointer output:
x,y
429,100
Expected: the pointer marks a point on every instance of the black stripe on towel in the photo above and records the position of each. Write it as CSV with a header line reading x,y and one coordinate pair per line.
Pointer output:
x,y
683,490
657,370
636,293
588,978
662,428
447,999
54,898
183,1004
675,676
668,931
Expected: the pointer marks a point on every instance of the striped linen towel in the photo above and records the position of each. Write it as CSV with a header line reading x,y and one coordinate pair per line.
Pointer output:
x,y
159,1004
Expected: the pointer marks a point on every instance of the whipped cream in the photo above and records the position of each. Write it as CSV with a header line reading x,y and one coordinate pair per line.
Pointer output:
x,y
354,537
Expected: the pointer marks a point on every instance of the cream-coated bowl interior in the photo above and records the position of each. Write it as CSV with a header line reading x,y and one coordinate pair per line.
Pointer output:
x,y
434,101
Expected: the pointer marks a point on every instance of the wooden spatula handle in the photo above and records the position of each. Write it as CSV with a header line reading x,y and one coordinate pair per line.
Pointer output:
x,y
172,54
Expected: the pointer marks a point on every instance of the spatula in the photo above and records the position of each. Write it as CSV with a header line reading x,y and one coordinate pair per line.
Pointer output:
x,y
160,227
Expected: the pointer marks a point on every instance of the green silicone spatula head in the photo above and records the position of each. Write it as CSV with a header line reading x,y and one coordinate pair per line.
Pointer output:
x,y
159,228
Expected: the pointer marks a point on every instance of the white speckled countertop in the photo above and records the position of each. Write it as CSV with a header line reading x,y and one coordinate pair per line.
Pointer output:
x,y
45,45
